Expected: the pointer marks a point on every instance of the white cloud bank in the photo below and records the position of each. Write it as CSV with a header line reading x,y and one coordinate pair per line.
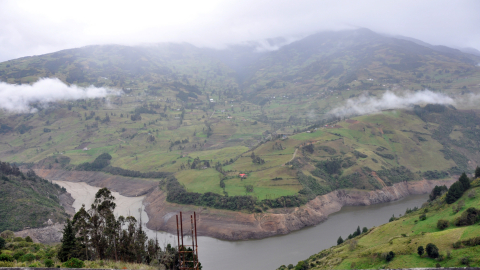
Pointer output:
x,y
18,98
390,100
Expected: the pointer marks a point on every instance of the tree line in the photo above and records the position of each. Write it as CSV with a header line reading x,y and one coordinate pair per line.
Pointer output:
x,y
96,234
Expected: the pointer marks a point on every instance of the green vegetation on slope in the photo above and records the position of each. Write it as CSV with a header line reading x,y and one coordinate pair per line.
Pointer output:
x,y
451,229
27,200
191,113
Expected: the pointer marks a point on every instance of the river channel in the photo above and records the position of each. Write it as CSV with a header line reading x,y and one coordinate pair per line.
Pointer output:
x,y
268,253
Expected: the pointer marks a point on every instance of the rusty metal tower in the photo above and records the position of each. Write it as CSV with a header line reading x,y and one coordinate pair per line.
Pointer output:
x,y
188,254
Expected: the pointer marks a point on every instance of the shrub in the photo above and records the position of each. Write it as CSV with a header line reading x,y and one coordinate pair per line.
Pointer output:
x,y
73,263
465,261
442,224
7,234
432,251
423,217
18,239
27,257
2,243
457,244
468,217
18,254
6,258
390,256
28,239
6,264
352,245
420,250
48,263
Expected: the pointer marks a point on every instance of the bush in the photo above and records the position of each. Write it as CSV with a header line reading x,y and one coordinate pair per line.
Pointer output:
x,y
18,239
423,217
27,258
6,258
48,263
73,263
28,239
7,234
2,243
432,251
457,245
18,254
390,256
6,264
420,250
465,261
442,224
468,217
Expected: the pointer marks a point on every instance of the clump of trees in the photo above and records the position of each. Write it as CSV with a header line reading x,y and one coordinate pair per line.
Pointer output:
x,y
96,234
457,189
437,191
256,159
356,233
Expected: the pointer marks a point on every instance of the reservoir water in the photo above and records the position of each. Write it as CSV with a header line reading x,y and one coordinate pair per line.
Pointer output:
x,y
268,253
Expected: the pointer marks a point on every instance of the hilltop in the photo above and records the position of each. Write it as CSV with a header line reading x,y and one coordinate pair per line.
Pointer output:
x,y
452,228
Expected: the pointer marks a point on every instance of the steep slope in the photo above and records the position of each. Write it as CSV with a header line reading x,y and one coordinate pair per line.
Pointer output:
x,y
456,241
29,201
359,60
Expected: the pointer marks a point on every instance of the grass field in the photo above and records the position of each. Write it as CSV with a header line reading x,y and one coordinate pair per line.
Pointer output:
x,y
404,235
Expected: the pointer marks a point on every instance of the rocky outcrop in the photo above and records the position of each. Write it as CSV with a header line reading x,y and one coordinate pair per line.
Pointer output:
x,y
230,225
50,234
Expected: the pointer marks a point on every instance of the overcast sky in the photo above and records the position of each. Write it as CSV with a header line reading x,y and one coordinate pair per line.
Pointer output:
x,y
38,27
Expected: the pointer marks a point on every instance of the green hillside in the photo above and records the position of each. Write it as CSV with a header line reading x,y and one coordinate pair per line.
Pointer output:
x,y
205,116
457,240
27,200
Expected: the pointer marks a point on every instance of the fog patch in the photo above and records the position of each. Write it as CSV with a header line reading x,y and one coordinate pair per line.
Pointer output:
x,y
389,100
19,98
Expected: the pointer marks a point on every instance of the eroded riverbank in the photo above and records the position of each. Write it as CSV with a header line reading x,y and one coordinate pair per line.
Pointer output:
x,y
229,225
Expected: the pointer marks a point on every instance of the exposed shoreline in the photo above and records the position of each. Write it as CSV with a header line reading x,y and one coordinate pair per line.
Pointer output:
x,y
230,225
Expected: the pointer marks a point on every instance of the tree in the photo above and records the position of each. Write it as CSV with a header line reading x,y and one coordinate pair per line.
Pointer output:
x,y
28,239
68,247
437,191
81,224
364,230
454,192
358,231
432,251
465,181
477,172
2,243
420,250
339,240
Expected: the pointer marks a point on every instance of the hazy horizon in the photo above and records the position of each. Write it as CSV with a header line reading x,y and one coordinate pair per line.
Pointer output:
x,y
32,28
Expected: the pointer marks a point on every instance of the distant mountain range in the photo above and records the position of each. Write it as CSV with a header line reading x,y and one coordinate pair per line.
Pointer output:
x,y
355,59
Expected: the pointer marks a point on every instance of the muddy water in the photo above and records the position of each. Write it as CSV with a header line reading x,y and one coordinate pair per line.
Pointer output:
x,y
271,252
